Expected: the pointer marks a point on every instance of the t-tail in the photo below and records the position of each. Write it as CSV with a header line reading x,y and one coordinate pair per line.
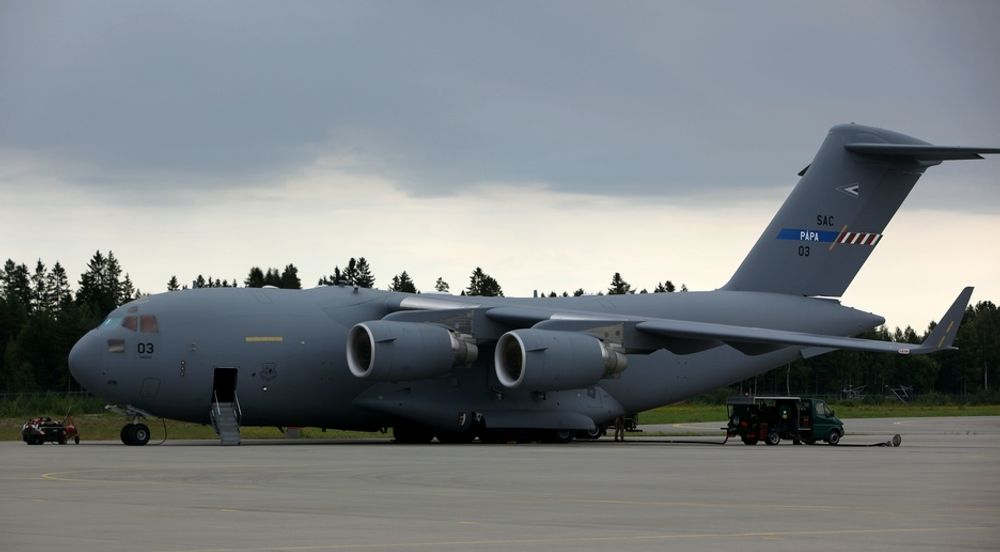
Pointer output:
x,y
835,216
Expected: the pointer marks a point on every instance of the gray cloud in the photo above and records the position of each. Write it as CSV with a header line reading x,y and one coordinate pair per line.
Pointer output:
x,y
639,99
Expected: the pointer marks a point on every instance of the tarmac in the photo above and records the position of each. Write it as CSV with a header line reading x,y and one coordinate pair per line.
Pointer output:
x,y
938,491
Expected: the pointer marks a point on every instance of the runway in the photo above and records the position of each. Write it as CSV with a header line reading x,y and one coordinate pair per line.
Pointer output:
x,y
937,491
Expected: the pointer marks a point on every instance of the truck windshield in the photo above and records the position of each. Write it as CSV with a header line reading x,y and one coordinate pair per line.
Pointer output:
x,y
822,409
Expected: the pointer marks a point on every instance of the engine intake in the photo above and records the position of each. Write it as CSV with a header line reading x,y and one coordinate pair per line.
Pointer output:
x,y
548,360
384,350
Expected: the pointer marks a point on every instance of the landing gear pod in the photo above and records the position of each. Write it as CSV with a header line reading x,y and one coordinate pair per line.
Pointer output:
x,y
547,360
384,350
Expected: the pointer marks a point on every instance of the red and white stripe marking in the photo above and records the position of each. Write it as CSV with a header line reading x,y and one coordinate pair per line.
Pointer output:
x,y
859,238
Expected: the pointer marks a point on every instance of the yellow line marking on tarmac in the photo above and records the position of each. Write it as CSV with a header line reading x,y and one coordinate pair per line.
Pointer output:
x,y
764,535
711,505
65,476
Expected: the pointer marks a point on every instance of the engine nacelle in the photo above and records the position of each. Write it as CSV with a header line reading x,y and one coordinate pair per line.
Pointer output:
x,y
384,350
547,360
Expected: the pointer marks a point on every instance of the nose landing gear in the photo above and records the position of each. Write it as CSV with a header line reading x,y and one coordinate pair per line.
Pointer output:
x,y
135,433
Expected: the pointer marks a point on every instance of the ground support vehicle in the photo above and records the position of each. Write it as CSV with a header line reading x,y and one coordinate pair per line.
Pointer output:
x,y
37,431
771,419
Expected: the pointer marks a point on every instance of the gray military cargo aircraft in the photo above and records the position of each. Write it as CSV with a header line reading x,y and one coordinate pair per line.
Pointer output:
x,y
458,368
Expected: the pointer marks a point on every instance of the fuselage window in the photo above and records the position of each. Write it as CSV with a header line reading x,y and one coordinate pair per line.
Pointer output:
x,y
130,323
148,324
116,345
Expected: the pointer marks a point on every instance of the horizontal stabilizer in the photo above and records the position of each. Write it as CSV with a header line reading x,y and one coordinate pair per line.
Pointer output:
x,y
943,335
919,152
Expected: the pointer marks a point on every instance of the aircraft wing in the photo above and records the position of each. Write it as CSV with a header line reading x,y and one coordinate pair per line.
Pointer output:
x,y
753,340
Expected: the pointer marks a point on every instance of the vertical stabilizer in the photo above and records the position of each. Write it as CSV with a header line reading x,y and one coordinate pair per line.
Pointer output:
x,y
835,216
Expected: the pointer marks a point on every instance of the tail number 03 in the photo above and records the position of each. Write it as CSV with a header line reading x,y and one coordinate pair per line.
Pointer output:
x,y
144,348
803,251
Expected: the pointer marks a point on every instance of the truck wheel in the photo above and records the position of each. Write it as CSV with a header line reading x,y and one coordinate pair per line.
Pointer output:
x,y
834,437
773,438
748,440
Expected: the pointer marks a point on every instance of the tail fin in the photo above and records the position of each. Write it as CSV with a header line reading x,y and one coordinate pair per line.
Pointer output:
x,y
835,216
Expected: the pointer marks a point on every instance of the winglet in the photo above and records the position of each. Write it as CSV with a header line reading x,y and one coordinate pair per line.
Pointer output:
x,y
943,335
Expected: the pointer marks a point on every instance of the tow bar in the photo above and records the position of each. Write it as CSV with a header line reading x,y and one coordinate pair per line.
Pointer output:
x,y
894,442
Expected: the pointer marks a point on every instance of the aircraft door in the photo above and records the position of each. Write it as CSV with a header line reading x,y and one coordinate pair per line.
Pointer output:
x,y
224,385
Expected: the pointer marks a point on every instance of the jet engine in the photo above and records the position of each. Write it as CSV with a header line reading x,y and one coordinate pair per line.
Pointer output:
x,y
548,360
384,350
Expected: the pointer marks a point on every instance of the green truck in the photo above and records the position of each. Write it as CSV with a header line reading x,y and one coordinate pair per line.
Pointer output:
x,y
771,419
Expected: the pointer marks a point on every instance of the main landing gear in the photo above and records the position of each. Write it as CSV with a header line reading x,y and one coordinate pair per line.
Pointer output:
x,y
134,434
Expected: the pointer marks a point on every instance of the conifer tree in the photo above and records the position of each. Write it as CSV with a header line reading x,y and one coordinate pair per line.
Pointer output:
x,y
58,285
126,290
403,283
101,288
172,284
350,275
17,284
441,286
364,278
40,301
290,278
665,287
619,286
272,277
482,284
255,279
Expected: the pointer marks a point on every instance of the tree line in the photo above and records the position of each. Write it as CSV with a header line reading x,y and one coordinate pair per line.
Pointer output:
x,y
41,317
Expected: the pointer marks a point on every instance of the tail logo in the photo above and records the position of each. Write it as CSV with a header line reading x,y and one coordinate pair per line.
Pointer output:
x,y
828,236
853,190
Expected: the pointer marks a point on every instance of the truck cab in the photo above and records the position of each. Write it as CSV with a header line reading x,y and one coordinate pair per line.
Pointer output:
x,y
771,419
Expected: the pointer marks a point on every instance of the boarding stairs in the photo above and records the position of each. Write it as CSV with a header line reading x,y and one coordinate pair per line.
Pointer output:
x,y
226,420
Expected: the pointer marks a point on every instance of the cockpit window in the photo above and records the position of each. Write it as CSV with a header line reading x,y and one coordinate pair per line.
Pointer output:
x,y
148,324
116,345
111,322
130,322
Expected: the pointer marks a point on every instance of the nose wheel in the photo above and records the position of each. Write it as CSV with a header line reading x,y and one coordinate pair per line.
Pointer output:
x,y
135,435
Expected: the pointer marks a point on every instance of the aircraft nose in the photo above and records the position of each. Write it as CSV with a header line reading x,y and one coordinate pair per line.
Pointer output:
x,y
84,361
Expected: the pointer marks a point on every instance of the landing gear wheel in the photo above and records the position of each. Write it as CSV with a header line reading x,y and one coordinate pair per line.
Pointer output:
x,y
560,436
773,438
140,435
126,434
834,437
592,434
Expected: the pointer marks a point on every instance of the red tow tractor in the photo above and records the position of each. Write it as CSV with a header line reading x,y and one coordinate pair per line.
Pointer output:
x,y
37,431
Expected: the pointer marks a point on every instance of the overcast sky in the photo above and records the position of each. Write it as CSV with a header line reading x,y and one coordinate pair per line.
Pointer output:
x,y
551,143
